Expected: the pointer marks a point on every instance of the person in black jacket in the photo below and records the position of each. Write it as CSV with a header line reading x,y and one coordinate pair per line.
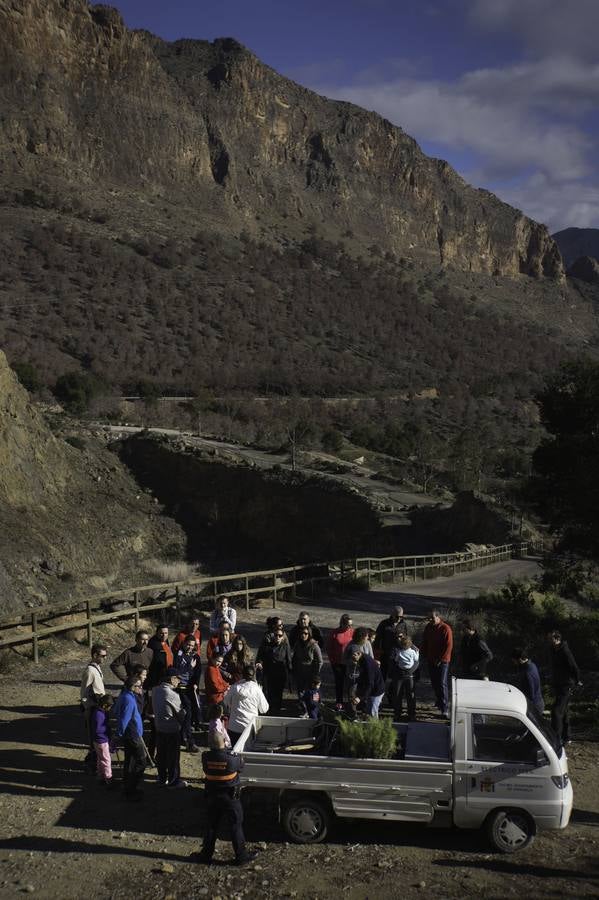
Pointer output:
x,y
304,621
274,662
221,777
475,655
364,683
386,635
565,674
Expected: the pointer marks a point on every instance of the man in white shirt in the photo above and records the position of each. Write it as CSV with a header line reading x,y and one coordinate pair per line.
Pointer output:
x,y
92,686
243,701
222,613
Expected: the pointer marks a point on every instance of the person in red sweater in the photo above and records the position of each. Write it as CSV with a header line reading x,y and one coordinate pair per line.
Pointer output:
x,y
436,648
216,681
191,629
337,642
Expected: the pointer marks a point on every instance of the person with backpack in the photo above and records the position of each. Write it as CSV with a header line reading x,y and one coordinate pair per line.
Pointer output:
x,y
92,687
188,666
169,716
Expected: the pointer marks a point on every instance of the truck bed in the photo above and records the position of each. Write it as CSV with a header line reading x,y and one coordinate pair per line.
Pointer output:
x,y
295,754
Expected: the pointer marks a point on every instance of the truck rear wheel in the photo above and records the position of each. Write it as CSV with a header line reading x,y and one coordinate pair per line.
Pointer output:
x,y
306,821
509,830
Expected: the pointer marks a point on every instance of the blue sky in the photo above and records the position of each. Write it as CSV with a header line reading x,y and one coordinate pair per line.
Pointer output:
x,y
506,90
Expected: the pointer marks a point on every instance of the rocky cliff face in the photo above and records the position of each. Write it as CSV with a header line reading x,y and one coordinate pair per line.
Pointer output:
x,y
72,521
85,99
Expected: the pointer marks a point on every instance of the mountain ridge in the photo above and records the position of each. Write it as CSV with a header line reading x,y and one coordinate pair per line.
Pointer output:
x,y
85,97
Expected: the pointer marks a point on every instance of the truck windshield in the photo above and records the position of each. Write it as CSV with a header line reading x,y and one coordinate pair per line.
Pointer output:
x,y
544,727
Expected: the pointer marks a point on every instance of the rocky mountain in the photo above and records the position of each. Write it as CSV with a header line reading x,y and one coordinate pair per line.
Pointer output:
x,y
576,242
89,105
73,522
586,268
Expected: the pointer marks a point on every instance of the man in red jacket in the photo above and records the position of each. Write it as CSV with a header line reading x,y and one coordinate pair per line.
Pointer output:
x,y
436,647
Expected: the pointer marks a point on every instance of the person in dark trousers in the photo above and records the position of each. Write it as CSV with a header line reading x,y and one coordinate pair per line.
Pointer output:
x,y
364,683
304,621
475,655
137,655
130,729
221,777
385,637
274,663
565,675
337,642
436,648
310,700
189,669
162,656
403,663
169,717
528,678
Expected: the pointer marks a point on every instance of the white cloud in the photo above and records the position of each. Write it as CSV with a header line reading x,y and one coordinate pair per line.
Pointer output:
x,y
561,205
524,126
487,112
567,27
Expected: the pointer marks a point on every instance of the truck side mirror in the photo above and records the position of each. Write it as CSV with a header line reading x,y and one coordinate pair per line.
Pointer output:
x,y
541,758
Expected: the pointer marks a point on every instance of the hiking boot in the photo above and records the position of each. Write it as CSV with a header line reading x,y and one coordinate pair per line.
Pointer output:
x,y
193,748
178,784
198,856
247,857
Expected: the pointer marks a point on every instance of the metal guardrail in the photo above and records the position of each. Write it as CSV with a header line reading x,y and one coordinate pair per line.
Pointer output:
x,y
85,614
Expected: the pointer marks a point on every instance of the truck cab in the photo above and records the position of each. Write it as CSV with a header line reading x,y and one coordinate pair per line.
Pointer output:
x,y
510,772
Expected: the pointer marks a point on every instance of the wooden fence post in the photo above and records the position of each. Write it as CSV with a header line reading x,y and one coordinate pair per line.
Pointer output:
x,y
177,605
36,656
368,576
136,604
342,574
247,592
274,591
294,583
90,637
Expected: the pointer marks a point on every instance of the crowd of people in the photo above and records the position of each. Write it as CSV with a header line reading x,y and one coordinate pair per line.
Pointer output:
x,y
163,706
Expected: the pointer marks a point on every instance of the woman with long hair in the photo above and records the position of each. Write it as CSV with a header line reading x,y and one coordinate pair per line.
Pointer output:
x,y
306,662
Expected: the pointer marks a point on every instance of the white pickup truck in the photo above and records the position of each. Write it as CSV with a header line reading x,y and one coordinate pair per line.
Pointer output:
x,y
496,765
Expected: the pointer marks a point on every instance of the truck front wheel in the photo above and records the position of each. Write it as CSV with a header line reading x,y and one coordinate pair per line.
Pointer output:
x,y
306,821
509,830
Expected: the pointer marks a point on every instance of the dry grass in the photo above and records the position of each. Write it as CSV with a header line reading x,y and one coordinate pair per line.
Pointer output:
x,y
170,571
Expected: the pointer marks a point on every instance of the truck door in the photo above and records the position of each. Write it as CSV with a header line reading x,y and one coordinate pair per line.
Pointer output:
x,y
504,766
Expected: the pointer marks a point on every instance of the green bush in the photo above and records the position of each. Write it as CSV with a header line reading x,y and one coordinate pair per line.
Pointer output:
x,y
372,739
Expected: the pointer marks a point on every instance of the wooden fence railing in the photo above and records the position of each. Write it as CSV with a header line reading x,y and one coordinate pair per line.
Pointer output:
x,y
271,583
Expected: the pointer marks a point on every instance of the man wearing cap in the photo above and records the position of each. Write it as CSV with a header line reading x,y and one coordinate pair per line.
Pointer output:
x,y
221,777
168,718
